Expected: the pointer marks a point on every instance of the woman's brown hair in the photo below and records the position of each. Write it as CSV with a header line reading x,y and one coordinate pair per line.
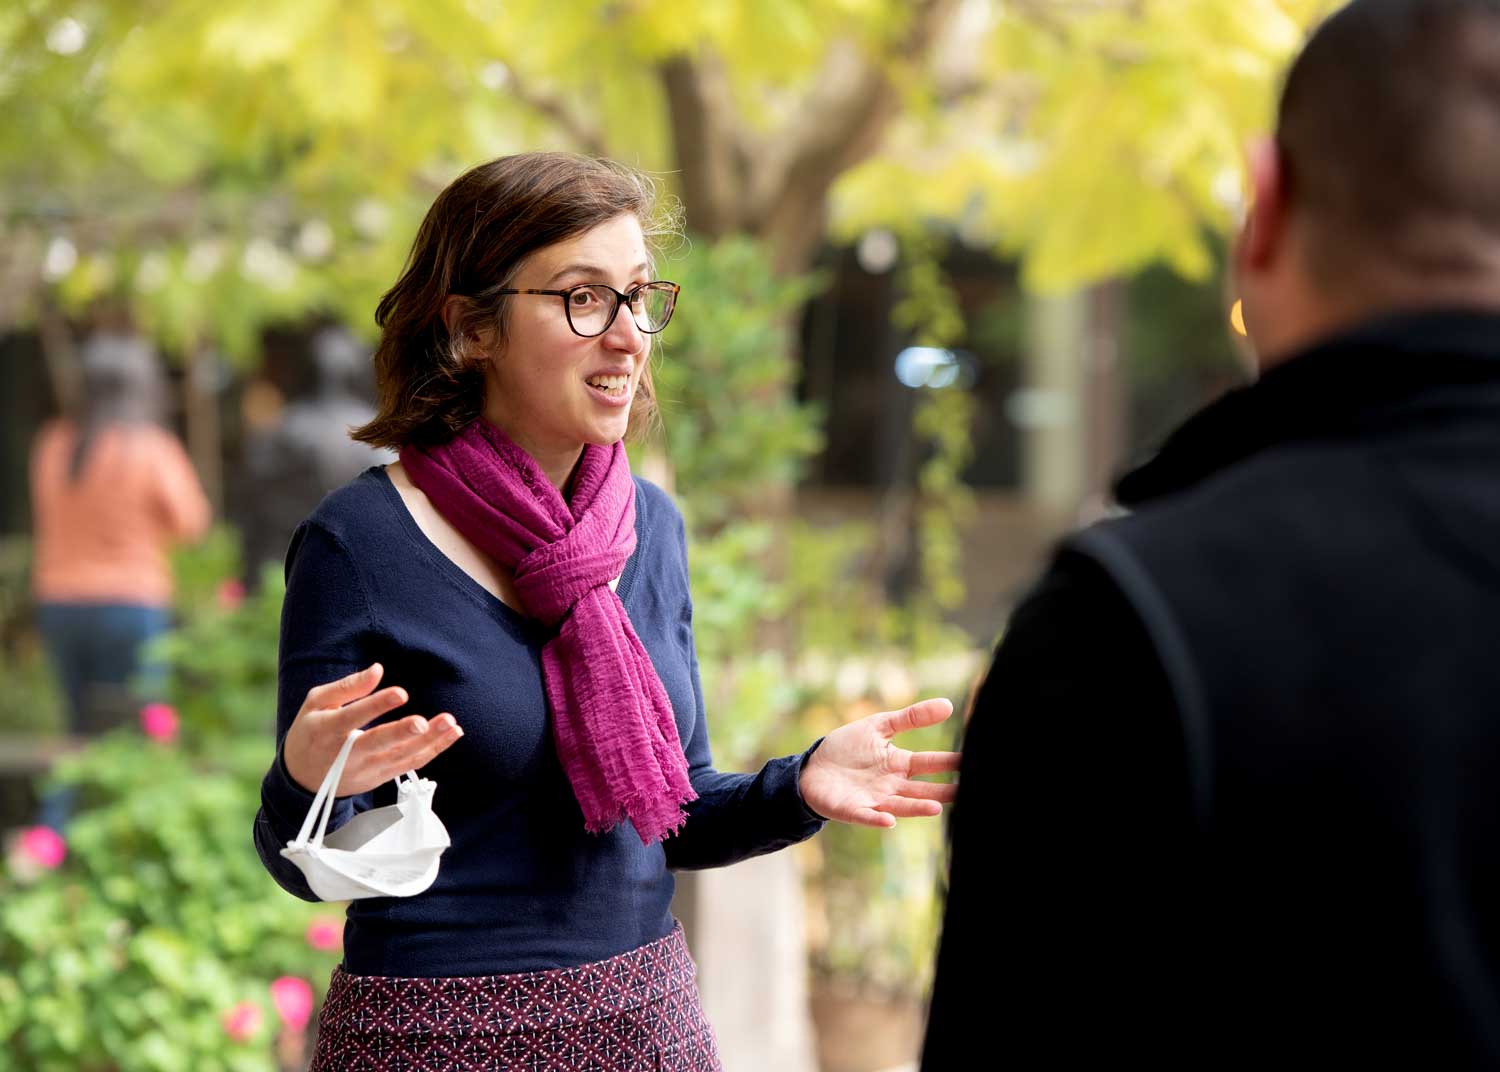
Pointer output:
x,y
474,240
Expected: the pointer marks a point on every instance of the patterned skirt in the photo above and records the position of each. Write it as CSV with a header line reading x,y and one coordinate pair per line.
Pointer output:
x,y
635,1012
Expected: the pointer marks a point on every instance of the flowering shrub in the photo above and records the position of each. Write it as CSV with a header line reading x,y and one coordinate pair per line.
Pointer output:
x,y
43,846
293,998
147,936
159,721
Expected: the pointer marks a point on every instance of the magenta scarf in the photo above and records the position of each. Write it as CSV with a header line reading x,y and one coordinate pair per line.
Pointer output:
x,y
611,716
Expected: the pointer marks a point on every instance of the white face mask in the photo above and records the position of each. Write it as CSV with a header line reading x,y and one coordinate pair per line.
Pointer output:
x,y
385,852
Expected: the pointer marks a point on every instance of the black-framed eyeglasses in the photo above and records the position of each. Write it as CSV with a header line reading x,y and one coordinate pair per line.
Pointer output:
x,y
592,307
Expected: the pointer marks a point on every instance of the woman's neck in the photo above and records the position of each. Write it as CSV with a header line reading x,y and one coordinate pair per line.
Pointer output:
x,y
558,465
557,462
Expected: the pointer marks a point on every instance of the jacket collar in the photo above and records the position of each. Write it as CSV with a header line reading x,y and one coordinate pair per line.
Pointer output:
x,y
1380,371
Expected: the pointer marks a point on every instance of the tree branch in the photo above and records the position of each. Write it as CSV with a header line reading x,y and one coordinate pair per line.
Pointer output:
x,y
845,116
703,135
586,138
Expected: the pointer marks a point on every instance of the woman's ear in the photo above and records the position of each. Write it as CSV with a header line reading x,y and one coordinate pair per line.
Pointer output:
x,y
454,309
456,312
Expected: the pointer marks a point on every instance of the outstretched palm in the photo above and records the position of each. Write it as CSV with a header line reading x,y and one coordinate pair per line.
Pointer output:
x,y
858,774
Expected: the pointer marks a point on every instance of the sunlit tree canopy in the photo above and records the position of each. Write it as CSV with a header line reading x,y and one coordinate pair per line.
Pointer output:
x,y
219,166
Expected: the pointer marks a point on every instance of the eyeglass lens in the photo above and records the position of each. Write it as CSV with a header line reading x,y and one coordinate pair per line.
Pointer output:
x,y
591,308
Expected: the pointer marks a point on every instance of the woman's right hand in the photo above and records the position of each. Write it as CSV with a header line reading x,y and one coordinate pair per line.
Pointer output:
x,y
379,755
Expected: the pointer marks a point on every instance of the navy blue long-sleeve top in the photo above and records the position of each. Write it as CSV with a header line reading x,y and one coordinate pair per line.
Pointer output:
x,y
523,887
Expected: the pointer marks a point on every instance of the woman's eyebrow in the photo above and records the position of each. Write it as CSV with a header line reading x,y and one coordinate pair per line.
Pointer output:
x,y
590,269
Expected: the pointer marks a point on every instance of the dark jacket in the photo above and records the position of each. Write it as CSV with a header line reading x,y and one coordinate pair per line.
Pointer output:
x,y
1249,741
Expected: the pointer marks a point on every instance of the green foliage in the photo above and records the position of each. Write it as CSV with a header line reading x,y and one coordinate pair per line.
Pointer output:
x,y
216,168
733,436
839,608
161,917
942,422
726,375
876,890
223,659
128,956
1102,138
31,702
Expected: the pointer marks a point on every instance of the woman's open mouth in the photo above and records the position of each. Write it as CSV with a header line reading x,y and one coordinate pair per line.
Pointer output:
x,y
613,390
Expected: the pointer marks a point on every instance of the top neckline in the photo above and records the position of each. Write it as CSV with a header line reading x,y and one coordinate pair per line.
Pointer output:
x,y
467,582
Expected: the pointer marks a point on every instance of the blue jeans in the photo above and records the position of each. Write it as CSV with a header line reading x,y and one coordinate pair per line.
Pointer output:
x,y
96,651
95,648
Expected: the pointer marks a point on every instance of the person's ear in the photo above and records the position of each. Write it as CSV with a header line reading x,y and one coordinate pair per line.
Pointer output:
x,y
1264,236
456,309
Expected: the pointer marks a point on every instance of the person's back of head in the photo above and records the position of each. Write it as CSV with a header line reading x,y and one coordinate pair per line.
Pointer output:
x,y
341,364
121,382
1381,190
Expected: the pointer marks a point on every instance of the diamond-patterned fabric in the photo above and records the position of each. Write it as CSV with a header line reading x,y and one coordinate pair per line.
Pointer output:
x,y
635,1012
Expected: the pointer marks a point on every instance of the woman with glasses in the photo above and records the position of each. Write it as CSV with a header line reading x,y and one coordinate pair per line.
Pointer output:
x,y
507,609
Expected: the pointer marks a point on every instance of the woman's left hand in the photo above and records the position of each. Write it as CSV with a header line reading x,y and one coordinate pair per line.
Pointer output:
x,y
858,775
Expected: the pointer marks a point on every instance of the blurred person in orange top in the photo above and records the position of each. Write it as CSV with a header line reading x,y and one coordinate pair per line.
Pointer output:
x,y
111,491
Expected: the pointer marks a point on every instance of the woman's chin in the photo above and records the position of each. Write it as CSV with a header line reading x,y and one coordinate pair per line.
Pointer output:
x,y
607,433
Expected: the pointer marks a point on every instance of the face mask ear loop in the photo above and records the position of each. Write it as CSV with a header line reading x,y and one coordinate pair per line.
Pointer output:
x,y
324,799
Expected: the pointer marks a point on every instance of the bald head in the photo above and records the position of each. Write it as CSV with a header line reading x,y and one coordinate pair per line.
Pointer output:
x,y
1389,133
1380,192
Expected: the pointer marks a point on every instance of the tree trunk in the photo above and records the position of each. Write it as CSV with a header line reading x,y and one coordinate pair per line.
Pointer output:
x,y
1073,405
1050,407
204,435
775,187
1107,420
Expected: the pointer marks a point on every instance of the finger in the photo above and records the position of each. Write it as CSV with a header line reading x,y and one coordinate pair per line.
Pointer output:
x,y
910,809
934,762
384,752
417,748
389,736
946,792
871,817
439,739
362,712
922,713
337,693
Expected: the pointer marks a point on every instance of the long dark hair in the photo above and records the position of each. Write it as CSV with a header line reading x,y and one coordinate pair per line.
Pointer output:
x,y
473,240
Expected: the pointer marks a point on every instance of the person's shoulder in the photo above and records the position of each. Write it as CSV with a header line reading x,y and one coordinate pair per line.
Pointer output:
x,y
352,522
54,435
158,436
1282,489
655,507
148,444
53,429
358,507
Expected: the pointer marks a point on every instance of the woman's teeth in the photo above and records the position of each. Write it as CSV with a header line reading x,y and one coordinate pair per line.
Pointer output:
x,y
610,385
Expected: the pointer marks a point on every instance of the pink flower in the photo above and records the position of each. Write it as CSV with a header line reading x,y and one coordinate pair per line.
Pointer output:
x,y
293,999
242,1021
231,594
160,722
44,846
325,933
